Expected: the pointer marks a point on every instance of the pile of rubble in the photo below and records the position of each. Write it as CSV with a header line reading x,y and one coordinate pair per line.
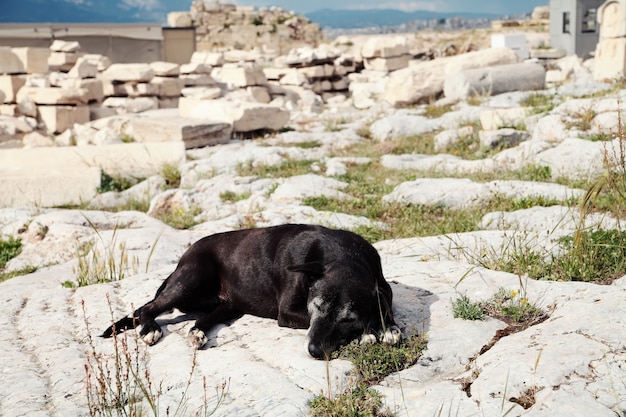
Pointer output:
x,y
225,26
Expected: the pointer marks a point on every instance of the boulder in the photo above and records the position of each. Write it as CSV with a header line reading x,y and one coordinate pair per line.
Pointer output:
x,y
494,80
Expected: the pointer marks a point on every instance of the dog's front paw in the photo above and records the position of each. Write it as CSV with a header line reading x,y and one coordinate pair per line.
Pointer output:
x,y
150,334
392,335
197,338
367,339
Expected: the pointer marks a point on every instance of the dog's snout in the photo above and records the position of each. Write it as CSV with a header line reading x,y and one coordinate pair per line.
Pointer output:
x,y
317,351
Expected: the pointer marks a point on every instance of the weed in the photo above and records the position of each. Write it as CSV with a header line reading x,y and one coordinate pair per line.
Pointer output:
x,y
9,249
179,218
110,183
434,111
511,306
540,103
539,173
289,168
464,308
581,120
125,386
17,273
309,144
232,197
96,266
359,401
335,125
372,362
171,174
598,256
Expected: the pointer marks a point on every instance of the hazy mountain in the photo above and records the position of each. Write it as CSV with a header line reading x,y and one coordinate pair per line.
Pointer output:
x,y
347,19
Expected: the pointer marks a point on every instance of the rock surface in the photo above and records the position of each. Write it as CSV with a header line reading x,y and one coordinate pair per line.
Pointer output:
x,y
574,362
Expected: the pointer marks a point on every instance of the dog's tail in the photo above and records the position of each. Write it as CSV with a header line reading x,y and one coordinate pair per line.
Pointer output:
x,y
128,322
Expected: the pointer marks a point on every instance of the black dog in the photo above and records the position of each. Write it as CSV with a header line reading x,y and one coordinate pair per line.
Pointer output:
x,y
330,281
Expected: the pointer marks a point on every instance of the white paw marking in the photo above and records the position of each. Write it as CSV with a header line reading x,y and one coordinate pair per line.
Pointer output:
x,y
392,335
366,339
197,338
152,337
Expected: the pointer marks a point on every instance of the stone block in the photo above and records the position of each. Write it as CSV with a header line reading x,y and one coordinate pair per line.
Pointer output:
x,y
129,72
10,85
195,68
494,80
59,118
212,59
54,95
84,68
49,188
62,61
240,75
165,126
245,117
385,47
35,60
611,17
387,64
197,80
41,176
60,45
123,105
94,87
165,69
610,59
10,63
167,86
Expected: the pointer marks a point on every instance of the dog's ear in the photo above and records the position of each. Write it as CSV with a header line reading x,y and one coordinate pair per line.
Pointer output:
x,y
313,270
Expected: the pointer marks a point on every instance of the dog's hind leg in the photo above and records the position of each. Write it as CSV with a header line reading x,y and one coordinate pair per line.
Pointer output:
x,y
222,313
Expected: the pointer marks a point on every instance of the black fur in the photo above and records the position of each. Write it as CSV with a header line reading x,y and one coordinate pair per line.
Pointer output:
x,y
305,276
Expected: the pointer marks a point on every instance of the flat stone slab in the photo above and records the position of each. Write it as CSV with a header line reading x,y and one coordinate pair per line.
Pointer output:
x,y
163,126
54,176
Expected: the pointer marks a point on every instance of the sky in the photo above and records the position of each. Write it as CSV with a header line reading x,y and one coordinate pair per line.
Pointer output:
x,y
490,6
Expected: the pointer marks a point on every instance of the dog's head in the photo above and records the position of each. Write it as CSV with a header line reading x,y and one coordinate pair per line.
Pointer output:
x,y
342,303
